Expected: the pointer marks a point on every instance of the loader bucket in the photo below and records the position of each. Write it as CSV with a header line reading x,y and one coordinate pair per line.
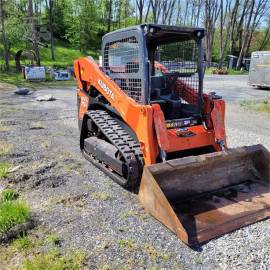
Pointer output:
x,y
202,197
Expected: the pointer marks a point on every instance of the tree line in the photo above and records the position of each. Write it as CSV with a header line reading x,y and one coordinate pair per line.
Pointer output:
x,y
232,26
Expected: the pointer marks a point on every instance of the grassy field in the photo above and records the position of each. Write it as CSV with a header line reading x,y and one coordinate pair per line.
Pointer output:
x,y
18,80
65,56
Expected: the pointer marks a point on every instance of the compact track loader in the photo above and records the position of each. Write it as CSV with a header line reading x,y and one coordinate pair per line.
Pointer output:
x,y
145,121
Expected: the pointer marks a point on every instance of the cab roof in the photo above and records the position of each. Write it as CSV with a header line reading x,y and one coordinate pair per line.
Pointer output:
x,y
159,32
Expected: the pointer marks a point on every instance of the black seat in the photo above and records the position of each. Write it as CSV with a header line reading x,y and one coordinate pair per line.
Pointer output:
x,y
169,103
157,86
173,106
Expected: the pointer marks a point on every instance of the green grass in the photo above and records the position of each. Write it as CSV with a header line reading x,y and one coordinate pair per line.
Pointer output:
x,y
128,244
154,253
262,105
101,196
237,72
23,242
4,167
54,239
36,250
127,214
64,55
18,80
209,71
5,148
53,260
13,213
9,195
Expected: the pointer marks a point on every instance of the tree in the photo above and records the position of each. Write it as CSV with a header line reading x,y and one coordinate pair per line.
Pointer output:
x,y
256,10
212,10
4,37
82,25
224,28
156,9
33,31
266,38
140,4
49,5
232,26
109,15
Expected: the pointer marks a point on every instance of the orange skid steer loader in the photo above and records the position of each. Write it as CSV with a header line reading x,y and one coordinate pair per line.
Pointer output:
x,y
145,121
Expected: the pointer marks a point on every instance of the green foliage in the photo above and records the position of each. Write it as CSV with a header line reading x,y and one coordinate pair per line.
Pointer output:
x,y
16,27
82,32
12,213
9,195
4,167
59,13
53,260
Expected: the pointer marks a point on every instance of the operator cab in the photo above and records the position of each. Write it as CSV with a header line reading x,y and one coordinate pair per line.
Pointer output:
x,y
174,55
158,64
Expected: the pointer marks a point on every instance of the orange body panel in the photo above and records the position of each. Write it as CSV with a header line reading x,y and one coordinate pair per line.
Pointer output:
x,y
218,116
138,117
141,117
161,129
84,98
202,138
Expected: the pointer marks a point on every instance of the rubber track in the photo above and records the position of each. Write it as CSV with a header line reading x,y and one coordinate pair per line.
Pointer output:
x,y
119,137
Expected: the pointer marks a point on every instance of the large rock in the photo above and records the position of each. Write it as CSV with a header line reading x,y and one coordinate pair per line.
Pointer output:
x,y
23,91
48,97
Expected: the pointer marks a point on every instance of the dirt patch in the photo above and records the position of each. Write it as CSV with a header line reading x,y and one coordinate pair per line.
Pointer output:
x,y
16,230
7,87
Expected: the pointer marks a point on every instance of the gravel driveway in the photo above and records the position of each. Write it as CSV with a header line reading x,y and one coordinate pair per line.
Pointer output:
x,y
233,88
92,213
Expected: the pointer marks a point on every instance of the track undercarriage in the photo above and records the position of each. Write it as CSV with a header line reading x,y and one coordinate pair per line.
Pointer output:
x,y
112,149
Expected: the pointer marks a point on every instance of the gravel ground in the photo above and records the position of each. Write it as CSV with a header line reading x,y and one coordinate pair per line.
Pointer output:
x,y
233,88
92,213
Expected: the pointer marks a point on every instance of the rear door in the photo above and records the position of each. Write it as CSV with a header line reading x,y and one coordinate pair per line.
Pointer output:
x,y
259,73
